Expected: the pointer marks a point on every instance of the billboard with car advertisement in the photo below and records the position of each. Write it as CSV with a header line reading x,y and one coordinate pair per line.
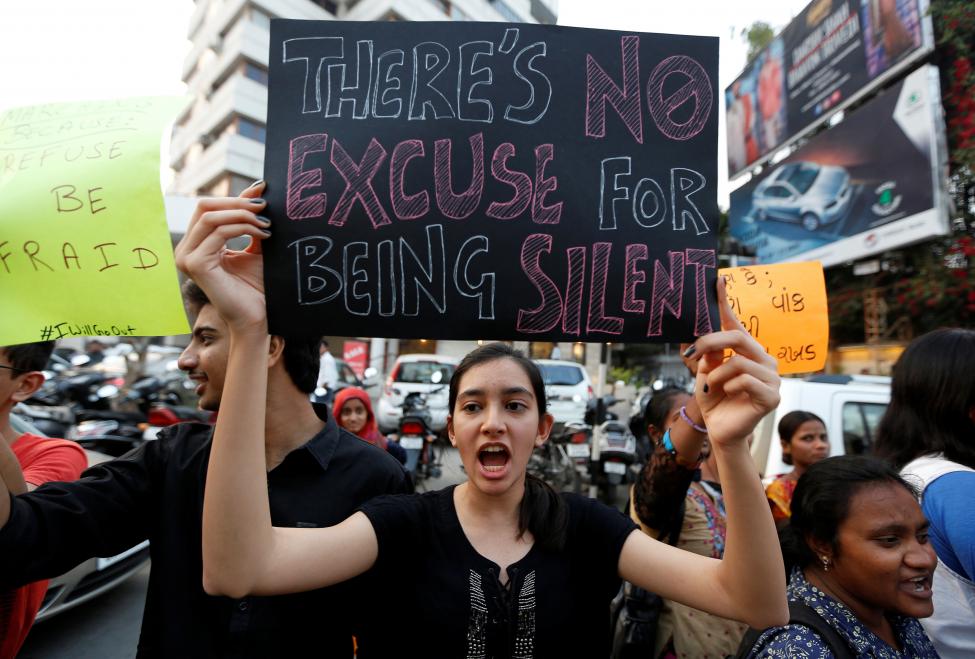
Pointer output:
x,y
834,52
869,184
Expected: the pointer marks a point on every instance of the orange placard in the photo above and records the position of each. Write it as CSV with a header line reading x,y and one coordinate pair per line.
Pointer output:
x,y
784,307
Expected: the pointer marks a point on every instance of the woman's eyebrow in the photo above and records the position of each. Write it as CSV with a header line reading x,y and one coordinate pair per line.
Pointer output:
x,y
516,390
507,391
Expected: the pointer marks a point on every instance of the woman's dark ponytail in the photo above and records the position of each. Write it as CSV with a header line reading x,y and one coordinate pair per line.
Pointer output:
x,y
794,549
543,513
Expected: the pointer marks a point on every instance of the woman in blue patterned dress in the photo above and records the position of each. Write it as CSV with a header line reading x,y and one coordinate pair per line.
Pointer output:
x,y
857,544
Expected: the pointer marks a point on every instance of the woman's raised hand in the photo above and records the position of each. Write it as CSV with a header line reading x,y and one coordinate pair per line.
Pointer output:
x,y
232,279
733,394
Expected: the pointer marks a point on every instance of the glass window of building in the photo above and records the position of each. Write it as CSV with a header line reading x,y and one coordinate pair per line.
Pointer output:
x,y
256,73
251,129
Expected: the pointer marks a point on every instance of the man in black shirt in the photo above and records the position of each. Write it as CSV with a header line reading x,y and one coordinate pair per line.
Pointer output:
x,y
318,475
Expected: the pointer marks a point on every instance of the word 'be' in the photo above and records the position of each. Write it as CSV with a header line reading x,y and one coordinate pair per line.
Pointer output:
x,y
67,202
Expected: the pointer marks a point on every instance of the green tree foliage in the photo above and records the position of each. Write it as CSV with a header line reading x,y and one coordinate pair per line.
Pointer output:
x,y
757,35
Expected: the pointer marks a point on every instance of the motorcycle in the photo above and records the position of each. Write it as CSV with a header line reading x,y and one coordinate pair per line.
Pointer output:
x,y
618,459
553,463
417,439
574,441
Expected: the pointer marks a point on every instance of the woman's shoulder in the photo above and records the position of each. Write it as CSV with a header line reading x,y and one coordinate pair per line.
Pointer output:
x,y
419,503
580,505
792,640
590,516
780,483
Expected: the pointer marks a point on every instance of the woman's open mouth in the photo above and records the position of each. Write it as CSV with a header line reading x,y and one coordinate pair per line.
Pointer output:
x,y
493,459
918,586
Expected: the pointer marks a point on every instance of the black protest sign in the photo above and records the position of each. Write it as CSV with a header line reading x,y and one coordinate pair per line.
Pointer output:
x,y
490,181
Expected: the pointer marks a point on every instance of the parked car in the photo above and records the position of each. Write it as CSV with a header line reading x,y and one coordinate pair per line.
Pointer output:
x,y
567,388
803,192
90,578
851,406
414,373
347,376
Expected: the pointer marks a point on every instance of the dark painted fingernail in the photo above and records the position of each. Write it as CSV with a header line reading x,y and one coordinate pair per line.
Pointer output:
x,y
691,349
266,233
705,387
254,184
263,220
257,201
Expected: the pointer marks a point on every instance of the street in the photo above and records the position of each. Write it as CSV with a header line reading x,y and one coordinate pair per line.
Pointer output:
x,y
106,627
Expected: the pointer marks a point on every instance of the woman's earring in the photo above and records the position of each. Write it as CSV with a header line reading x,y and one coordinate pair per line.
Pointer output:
x,y
825,561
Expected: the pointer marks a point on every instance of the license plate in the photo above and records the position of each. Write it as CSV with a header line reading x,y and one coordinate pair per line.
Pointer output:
x,y
412,443
614,467
577,450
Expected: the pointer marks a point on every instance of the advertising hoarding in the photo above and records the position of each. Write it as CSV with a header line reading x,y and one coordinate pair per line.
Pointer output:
x,y
866,185
832,53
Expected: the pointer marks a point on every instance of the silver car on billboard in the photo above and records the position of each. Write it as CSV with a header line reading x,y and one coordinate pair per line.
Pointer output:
x,y
805,192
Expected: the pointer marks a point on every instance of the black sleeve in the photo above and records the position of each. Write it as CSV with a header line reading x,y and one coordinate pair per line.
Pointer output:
x,y
58,525
399,521
597,533
400,482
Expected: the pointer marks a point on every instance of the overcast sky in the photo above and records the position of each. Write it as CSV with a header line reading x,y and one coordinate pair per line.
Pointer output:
x,y
58,50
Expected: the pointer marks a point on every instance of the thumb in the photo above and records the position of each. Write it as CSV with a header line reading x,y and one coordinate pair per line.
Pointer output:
x,y
254,246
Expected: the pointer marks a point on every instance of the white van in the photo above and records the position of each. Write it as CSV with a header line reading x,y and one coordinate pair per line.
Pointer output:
x,y
851,406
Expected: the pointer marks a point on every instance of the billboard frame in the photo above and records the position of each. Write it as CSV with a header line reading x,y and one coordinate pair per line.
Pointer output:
x,y
938,213
888,76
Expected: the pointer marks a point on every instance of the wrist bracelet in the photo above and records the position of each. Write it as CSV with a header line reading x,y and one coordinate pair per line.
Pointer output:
x,y
690,422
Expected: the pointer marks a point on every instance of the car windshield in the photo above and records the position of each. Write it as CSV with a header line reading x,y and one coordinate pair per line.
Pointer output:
x,y
561,374
422,372
801,178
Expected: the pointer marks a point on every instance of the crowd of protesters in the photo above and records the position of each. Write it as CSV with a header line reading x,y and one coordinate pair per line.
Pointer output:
x,y
307,529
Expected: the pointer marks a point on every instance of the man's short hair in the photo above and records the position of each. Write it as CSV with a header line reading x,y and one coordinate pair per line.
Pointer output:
x,y
193,296
301,358
29,356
